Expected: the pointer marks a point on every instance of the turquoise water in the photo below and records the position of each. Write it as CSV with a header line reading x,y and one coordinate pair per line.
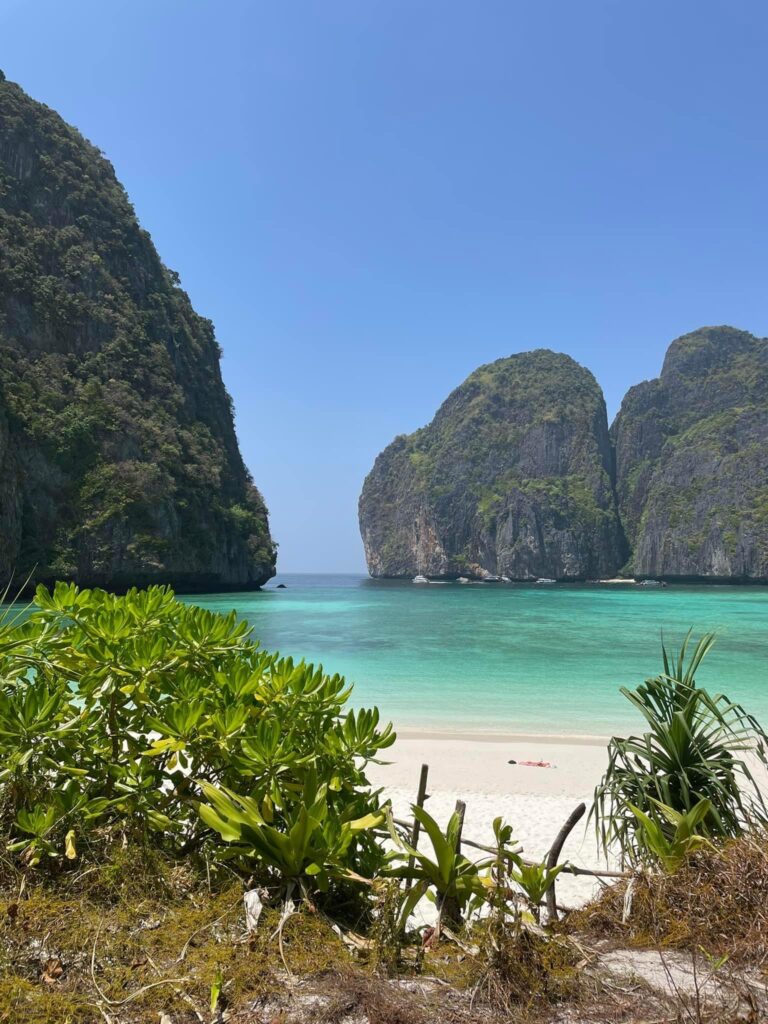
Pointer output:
x,y
507,658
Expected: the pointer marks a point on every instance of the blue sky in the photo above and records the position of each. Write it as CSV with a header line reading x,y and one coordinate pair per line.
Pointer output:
x,y
370,198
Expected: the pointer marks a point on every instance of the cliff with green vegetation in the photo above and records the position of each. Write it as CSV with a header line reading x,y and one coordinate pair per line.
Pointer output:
x,y
692,460
119,463
512,477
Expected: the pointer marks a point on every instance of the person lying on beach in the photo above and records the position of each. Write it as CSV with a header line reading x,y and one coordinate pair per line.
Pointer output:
x,y
534,764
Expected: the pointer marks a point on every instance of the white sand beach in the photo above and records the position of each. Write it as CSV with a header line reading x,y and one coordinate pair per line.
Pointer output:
x,y
536,801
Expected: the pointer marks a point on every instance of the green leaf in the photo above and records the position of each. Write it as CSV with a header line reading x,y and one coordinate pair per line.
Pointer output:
x,y
230,832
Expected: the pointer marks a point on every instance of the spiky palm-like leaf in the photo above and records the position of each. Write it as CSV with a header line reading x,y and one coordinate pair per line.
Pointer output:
x,y
696,747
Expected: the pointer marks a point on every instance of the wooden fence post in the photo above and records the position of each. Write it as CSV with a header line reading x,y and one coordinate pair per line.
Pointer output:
x,y
554,853
421,796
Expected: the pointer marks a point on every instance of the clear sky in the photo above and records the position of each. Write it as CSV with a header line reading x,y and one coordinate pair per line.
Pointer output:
x,y
370,198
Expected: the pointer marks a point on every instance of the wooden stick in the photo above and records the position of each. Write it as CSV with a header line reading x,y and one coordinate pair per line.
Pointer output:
x,y
568,869
571,869
554,853
421,796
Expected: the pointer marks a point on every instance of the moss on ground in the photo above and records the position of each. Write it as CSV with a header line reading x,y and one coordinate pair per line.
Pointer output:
x,y
125,938
142,937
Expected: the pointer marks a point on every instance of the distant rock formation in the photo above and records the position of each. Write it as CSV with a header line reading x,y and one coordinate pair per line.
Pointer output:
x,y
512,477
119,463
515,474
692,460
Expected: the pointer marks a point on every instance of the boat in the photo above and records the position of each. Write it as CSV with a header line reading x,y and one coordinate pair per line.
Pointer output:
x,y
651,583
544,581
491,579
420,579
462,579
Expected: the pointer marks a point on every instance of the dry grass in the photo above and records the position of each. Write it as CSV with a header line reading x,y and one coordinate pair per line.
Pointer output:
x,y
139,937
716,904
528,971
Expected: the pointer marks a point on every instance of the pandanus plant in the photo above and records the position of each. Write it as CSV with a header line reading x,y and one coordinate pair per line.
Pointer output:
x,y
697,747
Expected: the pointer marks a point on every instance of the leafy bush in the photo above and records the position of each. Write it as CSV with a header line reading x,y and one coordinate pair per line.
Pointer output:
x,y
112,708
671,853
535,880
314,843
689,753
461,886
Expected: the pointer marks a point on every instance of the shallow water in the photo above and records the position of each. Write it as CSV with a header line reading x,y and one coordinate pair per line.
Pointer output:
x,y
507,658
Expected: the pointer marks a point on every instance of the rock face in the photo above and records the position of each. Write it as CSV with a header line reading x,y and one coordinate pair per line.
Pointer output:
x,y
119,463
512,477
692,460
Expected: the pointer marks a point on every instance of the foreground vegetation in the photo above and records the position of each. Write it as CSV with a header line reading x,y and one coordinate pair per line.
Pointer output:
x,y
189,831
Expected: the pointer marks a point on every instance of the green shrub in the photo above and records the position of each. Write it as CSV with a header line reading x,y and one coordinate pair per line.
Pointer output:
x,y
113,708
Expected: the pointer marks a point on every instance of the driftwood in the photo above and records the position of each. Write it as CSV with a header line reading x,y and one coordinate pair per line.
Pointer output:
x,y
554,854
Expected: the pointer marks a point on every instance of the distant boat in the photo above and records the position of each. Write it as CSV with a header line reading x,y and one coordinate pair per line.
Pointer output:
x,y
544,580
420,579
651,583
491,579
505,579
462,579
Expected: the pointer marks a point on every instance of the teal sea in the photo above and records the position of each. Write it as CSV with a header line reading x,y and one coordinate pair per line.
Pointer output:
x,y
507,658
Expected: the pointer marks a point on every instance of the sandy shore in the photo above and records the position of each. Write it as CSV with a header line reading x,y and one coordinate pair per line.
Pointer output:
x,y
536,801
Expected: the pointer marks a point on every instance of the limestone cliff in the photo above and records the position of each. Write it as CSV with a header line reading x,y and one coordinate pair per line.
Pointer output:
x,y
512,477
119,463
692,460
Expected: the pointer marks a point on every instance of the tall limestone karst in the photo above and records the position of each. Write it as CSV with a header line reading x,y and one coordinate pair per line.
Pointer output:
x,y
692,460
512,477
119,463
